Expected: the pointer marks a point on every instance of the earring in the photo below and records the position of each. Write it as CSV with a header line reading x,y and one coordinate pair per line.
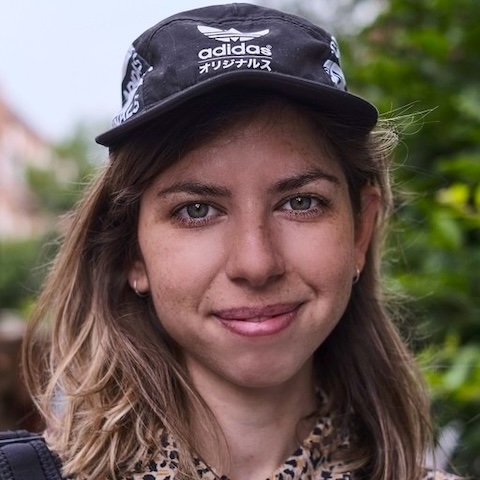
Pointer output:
x,y
356,278
135,289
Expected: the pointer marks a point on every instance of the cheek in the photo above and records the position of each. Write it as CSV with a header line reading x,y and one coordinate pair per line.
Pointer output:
x,y
180,269
324,253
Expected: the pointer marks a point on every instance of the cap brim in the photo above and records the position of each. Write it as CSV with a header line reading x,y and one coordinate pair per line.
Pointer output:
x,y
346,108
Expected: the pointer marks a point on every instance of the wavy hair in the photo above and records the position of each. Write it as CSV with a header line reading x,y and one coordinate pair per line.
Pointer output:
x,y
110,382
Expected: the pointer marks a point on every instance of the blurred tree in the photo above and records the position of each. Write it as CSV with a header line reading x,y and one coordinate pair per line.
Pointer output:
x,y
56,190
20,277
422,56
418,60
24,264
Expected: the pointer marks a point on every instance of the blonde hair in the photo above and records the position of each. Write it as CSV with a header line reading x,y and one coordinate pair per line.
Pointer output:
x,y
113,381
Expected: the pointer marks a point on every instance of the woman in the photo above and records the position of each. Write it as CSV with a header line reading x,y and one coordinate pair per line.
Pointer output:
x,y
216,307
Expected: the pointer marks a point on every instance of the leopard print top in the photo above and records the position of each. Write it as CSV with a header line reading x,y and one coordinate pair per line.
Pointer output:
x,y
311,461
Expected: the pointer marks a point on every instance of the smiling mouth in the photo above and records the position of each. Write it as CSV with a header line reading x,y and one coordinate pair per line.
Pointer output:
x,y
249,314
253,322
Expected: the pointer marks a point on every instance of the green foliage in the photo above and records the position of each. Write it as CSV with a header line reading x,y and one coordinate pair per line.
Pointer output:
x,y
59,189
23,270
53,195
452,370
422,56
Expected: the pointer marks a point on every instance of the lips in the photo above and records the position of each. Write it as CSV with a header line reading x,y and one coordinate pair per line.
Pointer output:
x,y
251,322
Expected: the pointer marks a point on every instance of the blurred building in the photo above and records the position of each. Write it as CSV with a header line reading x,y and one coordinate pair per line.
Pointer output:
x,y
20,148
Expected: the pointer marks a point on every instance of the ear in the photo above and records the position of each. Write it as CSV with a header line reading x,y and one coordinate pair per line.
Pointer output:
x,y
370,204
138,278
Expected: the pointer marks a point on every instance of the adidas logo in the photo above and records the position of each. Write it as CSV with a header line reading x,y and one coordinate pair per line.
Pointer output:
x,y
233,44
231,35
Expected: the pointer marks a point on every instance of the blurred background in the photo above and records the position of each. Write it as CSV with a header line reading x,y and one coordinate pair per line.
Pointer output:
x,y
419,60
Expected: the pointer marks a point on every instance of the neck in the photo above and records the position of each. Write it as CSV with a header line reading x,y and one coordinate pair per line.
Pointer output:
x,y
261,426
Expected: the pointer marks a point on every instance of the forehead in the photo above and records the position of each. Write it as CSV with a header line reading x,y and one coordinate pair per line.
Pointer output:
x,y
278,116
288,122
279,137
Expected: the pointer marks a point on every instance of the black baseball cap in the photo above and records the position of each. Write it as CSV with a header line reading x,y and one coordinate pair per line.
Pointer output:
x,y
196,52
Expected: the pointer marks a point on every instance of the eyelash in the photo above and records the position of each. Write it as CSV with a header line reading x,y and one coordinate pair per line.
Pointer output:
x,y
180,214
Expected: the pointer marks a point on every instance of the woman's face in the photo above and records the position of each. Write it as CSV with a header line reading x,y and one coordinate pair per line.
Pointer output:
x,y
249,247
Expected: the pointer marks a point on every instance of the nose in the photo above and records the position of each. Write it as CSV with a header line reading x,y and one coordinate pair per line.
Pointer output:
x,y
254,254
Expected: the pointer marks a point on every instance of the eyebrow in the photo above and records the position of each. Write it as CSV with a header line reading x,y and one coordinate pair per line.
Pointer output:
x,y
287,184
297,181
195,188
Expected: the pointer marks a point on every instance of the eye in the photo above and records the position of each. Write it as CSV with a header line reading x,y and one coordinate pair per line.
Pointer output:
x,y
299,203
196,214
305,206
197,210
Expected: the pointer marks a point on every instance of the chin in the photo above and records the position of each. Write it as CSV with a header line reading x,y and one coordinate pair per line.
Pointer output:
x,y
263,377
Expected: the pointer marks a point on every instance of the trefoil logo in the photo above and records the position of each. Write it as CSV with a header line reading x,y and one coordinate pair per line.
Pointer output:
x,y
231,35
